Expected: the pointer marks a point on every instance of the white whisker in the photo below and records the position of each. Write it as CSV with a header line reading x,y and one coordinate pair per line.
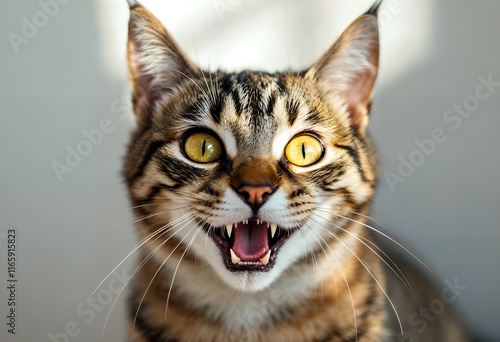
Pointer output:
x,y
159,268
345,279
369,270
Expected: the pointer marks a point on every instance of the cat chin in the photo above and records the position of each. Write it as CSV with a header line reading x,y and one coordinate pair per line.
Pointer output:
x,y
248,281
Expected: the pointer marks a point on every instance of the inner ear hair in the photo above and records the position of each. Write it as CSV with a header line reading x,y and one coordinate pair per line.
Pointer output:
x,y
348,70
157,65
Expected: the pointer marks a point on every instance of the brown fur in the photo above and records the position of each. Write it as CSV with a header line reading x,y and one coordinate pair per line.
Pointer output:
x,y
333,286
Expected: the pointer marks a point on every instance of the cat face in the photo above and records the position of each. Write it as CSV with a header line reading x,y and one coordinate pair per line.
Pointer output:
x,y
249,174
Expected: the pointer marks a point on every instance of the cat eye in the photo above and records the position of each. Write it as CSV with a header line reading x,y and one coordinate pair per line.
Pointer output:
x,y
202,147
304,150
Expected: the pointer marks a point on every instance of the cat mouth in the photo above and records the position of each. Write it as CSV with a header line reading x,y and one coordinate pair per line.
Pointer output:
x,y
249,245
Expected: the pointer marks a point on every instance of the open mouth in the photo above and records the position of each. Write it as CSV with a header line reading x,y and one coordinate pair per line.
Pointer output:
x,y
249,245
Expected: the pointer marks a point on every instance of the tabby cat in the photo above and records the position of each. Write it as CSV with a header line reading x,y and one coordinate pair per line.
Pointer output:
x,y
251,192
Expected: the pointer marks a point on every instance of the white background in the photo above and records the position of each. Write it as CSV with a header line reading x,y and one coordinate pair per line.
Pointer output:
x,y
72,74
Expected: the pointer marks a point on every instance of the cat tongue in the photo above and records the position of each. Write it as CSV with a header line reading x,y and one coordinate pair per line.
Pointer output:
x,y
250,241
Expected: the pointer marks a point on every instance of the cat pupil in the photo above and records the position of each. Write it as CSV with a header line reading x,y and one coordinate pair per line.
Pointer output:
x,y
303,151
204,147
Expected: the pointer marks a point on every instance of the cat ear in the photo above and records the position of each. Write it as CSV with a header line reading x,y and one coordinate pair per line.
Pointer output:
x,y
157,65
349,68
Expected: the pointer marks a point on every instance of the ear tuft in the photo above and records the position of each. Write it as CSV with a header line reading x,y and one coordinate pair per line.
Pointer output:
x,y
157,65
133,4
375,7
349,69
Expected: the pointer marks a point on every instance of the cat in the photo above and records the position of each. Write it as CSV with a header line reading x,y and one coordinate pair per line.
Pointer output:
x,y
251,192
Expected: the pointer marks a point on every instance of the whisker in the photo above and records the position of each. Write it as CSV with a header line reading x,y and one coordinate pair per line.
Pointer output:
x,y
399,274
386,236
367,217
177,268
142,218
163,231
313,257
328,210
368,269
405,280
345,279
142,242
158,271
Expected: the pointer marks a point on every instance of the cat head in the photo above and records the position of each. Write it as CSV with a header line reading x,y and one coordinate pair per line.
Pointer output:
x,y
248,174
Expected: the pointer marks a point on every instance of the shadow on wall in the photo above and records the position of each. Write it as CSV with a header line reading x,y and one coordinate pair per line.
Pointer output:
x,y
433,127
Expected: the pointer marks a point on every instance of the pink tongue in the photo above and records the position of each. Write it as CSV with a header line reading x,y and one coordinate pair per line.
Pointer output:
x,y
250,241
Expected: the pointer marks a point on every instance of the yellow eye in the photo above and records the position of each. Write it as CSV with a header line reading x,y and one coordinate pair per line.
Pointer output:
x,y
304,150
202,147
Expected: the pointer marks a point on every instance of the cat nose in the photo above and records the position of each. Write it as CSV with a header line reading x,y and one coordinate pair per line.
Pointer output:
x,y
255,195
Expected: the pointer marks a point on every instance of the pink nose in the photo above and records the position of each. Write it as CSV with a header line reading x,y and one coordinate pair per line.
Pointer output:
x,y
255,195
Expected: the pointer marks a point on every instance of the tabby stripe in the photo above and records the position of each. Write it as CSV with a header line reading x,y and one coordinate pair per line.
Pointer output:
x,y
281,83
255,103
292,108
362,321
253,96
229,90
271,101
142,212
284,169
193,112
363,328
238,107
217,107
227,83
313,117
353,153
153,334
152,150
329,174
348,197
155,190
179,172
299,192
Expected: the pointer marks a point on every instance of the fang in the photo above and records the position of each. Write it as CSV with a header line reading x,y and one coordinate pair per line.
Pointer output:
x,y
265,260
229,229
273,229
234,259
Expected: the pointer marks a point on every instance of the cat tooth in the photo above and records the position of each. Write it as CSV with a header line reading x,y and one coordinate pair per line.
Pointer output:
x,y
273,229
234,259
229,229
268,224
258,221
265,260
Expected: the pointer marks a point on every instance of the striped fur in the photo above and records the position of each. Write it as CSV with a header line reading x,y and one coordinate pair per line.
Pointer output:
x,y
326,282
